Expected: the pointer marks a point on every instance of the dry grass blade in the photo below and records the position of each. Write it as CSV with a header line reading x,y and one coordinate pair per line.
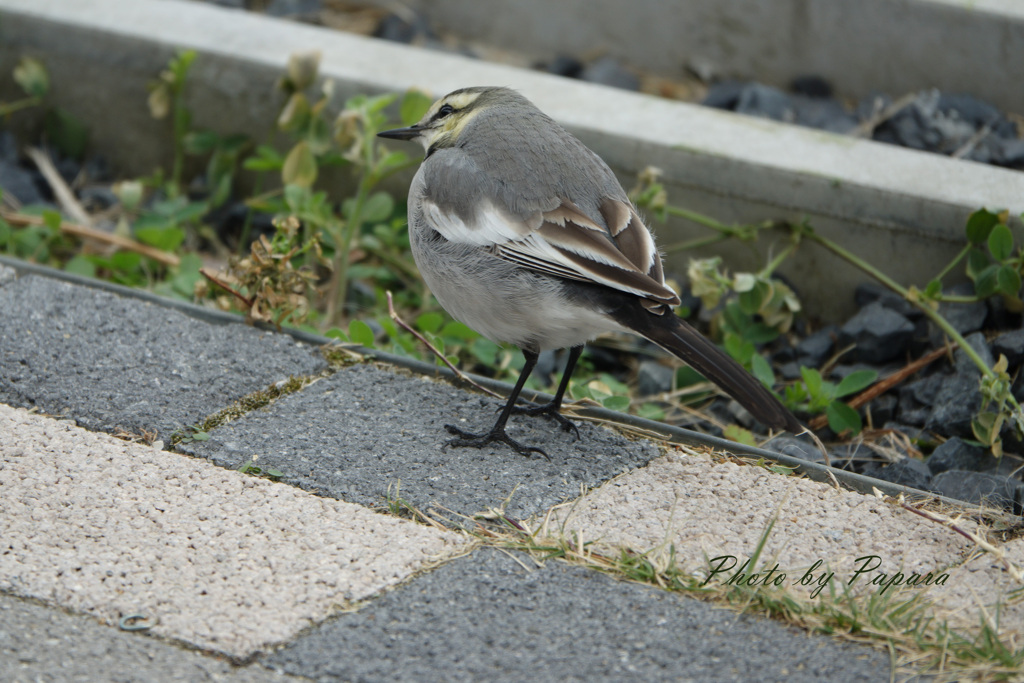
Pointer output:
x,y
982,543
867,128
218,280
85,232
433,349
65,197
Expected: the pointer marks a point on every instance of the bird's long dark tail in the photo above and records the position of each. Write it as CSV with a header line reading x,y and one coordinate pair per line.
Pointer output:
x,y
679,338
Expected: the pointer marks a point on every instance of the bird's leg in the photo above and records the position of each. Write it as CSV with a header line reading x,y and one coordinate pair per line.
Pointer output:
x,y
497,432
552,409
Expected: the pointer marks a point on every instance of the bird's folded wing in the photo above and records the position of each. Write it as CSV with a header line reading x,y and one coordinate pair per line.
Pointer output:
x,y
564,242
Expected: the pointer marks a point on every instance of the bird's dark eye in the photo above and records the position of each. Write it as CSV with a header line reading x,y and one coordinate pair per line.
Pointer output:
x,y
445,110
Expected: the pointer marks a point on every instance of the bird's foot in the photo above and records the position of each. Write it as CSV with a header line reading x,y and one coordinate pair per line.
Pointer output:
x,y
548,410
480,440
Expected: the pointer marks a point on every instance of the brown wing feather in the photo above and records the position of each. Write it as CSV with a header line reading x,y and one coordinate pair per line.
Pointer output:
x,y
567,243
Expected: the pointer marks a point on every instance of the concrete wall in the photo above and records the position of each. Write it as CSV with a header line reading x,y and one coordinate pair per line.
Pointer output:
x,y
861,46
903,209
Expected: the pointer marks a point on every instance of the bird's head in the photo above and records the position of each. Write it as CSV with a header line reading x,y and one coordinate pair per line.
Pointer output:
x,y
447,118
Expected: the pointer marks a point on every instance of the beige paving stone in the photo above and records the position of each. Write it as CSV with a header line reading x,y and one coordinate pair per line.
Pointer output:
x,y
706,510
219,559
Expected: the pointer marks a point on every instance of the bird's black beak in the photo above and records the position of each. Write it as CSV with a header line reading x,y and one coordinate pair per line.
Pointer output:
x,y
401,133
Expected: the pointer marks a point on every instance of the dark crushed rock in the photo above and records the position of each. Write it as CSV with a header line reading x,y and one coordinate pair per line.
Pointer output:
x,y
1011,345
957,454
924,390
962,363
855,456
20,183
905,472
956,403
944,123
754,99
880,334
811,86
883,408
653,377
980,487
965,318
563,65
411,26
303,10
869,292
796,448
814,350
610,71
823,114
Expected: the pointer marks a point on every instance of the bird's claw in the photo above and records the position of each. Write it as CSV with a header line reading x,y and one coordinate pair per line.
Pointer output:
x,y
468,439
549,410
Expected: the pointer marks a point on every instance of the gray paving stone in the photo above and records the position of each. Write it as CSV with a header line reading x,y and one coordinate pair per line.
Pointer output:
x,y
367,428
40,643
487,618
118,363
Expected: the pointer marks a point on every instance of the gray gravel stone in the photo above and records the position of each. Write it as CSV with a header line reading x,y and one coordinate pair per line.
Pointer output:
x,y
1010,345
18,182
295,9
791,446
610,71
965,318
869,292
813,350
979,487
489,618
906,472
824,114
368,433
117,363
653,377
955,454
926,389
956,403
880,334
767,102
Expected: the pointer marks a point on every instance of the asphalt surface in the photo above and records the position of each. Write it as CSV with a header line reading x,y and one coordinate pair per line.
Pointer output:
x,y
111,364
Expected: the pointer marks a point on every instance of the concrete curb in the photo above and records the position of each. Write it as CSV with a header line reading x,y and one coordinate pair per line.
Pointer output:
x,y
880,201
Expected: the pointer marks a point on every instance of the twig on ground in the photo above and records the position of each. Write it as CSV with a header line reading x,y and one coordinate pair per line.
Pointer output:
x,y
885,384
215,279
1011,568
972,142
433,349
65,197
867,128
85,232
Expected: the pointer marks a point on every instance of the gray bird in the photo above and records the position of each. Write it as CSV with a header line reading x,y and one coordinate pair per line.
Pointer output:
x,y
525,235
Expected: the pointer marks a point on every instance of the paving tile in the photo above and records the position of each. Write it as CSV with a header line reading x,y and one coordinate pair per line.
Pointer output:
x,y
704,509
219,559
368,429
486,617
113,363
40,643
